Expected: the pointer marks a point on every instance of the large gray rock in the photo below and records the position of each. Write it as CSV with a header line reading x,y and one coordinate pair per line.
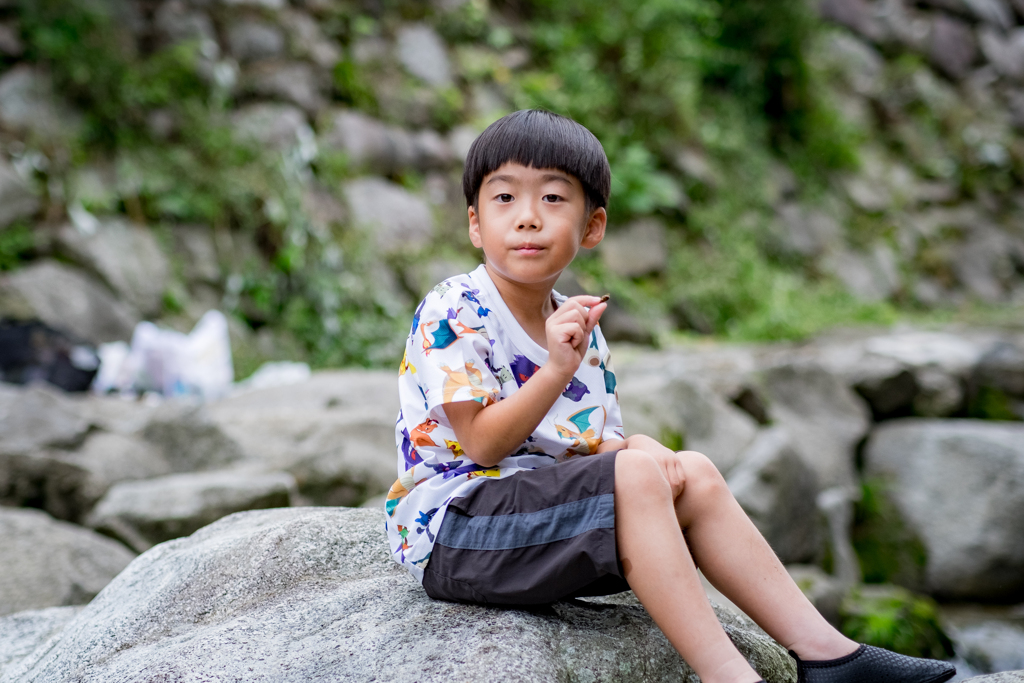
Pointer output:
x,y
312,595
295,82
1004,52
36,417
953,48
396,218
640,248
18,199
198,253
959,486
144,513
276,126
991,646
68,300
22,632
422,52
855,15
871,276
663,406
250,39
28,105
46,563
1004,677
126,256
825,418
374,146
778,491
800,231
189,440
67,483
335,433
175,21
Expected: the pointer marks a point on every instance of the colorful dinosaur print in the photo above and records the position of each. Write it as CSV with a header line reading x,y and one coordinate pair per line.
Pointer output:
x,y
421,434
405,365
409,452
585,440
454,447
576,391
523,369
400,489
468,377
609,374
453,469
443,337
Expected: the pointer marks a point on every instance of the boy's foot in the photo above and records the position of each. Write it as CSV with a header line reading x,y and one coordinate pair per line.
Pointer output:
x,y
869,664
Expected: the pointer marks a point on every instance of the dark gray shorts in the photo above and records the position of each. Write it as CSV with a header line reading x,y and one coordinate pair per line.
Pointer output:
x,y
534,538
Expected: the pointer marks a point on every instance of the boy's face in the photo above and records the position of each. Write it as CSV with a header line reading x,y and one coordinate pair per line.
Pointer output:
x,y
530,222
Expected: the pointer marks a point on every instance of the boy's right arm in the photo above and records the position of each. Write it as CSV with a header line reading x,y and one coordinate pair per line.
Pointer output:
x,y
489,434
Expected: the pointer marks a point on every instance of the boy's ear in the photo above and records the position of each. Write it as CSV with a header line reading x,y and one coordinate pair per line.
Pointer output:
x,y
474,228
594,232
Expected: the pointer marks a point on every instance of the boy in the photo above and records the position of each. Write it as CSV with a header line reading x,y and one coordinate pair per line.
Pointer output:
x,y
517,486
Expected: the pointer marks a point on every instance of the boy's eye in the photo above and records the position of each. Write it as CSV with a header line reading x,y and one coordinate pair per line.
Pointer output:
x,y
504,198
552,198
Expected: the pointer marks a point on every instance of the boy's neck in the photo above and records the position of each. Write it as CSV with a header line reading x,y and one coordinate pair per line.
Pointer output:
x,y
531,304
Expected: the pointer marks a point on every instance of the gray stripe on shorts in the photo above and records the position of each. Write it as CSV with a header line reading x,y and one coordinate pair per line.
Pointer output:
x,y
505,532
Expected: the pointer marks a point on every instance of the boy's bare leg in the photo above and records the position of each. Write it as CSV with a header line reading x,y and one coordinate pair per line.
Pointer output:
x,y
737,560
661,572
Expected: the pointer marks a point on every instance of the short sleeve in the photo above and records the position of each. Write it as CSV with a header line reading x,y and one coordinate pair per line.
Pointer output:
x,y
613,428
450,350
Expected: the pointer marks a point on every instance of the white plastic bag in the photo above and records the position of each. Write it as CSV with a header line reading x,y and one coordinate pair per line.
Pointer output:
x,y
170,363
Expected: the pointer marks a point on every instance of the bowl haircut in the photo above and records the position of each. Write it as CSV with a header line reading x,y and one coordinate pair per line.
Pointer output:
x,y
539,139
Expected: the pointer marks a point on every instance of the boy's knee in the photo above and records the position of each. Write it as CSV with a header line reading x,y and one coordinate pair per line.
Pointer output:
x,y
638,471
701,472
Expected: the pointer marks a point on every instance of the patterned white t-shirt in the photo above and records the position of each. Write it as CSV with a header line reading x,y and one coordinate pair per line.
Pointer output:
x,y
465,345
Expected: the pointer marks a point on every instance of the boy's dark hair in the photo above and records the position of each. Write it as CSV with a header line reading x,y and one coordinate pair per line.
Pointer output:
x,y
539,139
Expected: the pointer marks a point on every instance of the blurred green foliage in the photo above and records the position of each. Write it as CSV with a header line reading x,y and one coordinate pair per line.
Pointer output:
x,y
888,551
730,79
895,619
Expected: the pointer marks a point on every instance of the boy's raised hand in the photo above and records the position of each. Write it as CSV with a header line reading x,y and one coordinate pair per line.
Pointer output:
x,y
568,332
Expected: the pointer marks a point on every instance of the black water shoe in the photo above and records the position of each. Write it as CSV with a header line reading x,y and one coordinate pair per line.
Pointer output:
x,y
869,664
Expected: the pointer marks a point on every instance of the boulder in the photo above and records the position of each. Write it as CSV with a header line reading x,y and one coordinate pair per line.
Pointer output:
x,y
307,40
144,513
28,105
10,41
335,433
398,219
251,39
66,299
861,66
855,15
870,276
22,632
67,483
126,256
959,486
778,491
374,146
197,253
295,82
996,388
670,408
639,248
312,595
423,54
952,48
189,440
18,199
991,646
47,563
36,417
825,418
799,231
984,264
1004,52
1004,677
175,21
273,125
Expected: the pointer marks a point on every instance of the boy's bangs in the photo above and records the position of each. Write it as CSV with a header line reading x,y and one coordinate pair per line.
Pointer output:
x,y
539,139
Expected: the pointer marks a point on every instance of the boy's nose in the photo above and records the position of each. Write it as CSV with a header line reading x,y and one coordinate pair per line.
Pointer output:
x,y
529,219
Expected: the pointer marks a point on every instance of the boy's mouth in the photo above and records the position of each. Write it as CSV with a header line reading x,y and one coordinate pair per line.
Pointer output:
x,y
529,248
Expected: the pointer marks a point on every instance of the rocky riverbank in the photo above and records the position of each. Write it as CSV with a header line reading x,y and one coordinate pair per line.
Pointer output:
x,y
805,434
